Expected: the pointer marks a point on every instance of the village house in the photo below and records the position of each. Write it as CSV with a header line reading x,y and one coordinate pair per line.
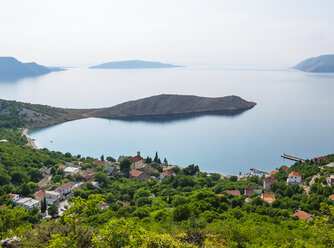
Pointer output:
x,y
88,177
44,181
112,171
39,195
69,164
28,203
248,192
267,182
71,171
294,178
166,174
99,163
233,192
65,189
331,197
137,162
302,215
136,174
45,170
52,197
330,180
330,165
273,173
270,198
319,159
285,168
148,169
168,167
14,197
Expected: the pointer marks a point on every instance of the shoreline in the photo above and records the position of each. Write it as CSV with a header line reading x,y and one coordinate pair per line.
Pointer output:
x,y
31,143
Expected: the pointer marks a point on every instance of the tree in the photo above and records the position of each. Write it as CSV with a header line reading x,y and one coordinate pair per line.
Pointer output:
x,y
10,219
191,170
53,211
148,160
102,157
43,206
181,212
101,178
81,209
111,159
125,165
233,178
34,216
156,158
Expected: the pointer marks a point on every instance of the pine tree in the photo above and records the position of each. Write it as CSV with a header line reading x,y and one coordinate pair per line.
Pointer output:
x,y
102,157
156,158
43,206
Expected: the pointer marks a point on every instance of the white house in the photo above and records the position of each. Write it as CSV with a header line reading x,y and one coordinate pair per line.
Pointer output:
x,y
65,189
52,197
294,177
28,203
71,171
14,197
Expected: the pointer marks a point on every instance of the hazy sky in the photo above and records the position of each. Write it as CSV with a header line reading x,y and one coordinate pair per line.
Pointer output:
x,y
82,32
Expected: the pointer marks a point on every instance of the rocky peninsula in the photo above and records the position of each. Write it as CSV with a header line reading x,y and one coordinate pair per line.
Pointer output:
x,y
34,115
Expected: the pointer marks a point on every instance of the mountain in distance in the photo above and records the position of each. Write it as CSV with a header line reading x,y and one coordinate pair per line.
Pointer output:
x,y
323,63
12,68
133,64
174,107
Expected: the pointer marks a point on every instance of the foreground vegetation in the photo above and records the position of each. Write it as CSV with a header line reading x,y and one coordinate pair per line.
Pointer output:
x,y
190,209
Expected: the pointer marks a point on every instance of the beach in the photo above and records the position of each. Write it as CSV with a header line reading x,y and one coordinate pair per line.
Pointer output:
x,y
31,142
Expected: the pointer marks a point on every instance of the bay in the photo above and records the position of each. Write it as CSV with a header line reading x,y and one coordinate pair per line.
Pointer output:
x,y
293,115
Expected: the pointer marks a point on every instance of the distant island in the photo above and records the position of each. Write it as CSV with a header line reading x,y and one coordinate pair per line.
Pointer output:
x,y
133,64
20,114
12,68
323,63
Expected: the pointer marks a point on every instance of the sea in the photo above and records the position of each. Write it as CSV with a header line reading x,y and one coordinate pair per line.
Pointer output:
x,y
294,115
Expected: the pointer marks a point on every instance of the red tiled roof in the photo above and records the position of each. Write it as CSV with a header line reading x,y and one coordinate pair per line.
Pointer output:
x,y
65,186
136,159
135,173
249,191
273,173
285,168
166,168
302,215
99,163
294,173
233,192
11,196
61,167
39,193
268,197
331,197
168,173
270,180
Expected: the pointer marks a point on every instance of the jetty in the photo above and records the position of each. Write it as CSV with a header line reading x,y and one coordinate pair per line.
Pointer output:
x,y
259,171
293,158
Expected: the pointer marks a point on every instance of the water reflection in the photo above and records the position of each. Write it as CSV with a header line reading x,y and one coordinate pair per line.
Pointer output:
x,y
162,119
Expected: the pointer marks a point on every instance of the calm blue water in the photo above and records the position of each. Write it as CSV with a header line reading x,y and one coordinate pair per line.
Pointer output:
x,y
294,115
